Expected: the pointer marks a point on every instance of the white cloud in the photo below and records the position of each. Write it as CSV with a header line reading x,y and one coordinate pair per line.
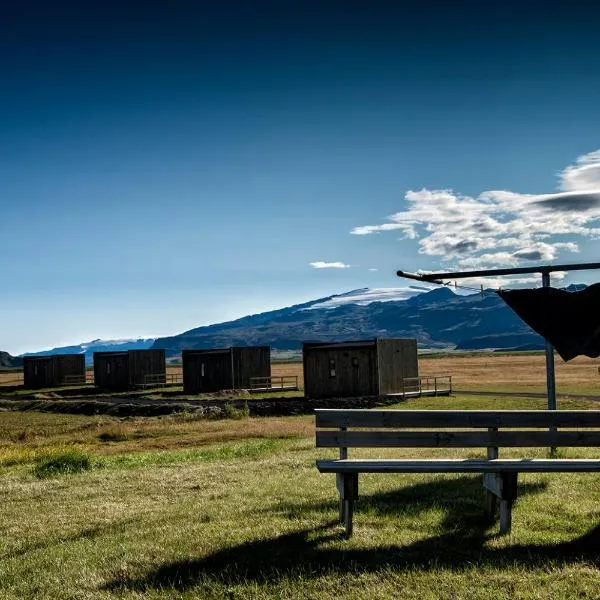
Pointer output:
x,y
583,175
499,227
373,269
319,264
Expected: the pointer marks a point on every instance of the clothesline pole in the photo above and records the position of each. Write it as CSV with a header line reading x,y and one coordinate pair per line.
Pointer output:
x,y
550,377
544,270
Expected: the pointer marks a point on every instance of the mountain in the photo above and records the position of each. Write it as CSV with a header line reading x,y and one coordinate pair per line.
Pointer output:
x,y
438,319
88,348
7,361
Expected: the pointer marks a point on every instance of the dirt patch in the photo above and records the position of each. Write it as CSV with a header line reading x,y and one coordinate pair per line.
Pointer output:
x,y
210,409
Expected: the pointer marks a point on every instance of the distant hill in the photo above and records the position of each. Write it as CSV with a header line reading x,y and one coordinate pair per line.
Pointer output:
x,y
88,348
438,319
7,361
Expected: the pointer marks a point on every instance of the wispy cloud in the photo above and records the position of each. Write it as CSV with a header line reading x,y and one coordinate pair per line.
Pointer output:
x,y
499,227
319,264
373,269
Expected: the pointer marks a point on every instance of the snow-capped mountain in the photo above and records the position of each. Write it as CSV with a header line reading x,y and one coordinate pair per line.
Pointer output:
x,y
364,296
437,319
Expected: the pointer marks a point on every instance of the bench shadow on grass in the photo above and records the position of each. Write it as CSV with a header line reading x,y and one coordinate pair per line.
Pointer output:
x,y
314,551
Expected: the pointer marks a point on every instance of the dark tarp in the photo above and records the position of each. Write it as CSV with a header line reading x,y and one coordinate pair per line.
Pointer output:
x,y
570,321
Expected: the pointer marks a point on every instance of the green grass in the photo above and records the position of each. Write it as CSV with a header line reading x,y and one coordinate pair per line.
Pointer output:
x,y
237,509
563,390
64,463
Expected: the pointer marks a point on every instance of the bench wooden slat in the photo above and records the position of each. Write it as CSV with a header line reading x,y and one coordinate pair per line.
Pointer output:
x,y
326,417
431,465
455,439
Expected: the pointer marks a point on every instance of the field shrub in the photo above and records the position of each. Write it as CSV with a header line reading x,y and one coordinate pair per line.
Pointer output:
x,y
114,434
232,412
65,463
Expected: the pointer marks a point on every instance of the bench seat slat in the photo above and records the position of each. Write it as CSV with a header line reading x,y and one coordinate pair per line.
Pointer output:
x,y
504,465
331,418
455,439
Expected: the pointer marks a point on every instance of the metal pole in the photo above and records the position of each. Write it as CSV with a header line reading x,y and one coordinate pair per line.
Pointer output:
x,y
550,381
438,277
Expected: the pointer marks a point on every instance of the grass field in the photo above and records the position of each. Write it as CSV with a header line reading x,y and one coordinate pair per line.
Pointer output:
x,y
176,508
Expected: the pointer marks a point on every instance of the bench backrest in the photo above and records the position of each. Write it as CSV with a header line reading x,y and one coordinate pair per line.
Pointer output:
x,y
442,428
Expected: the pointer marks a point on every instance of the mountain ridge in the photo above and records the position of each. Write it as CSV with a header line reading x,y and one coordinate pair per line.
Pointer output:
x,y
438,319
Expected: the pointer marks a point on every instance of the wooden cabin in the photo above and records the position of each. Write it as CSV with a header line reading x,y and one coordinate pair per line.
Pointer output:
x,y
129,368
54,370
373,367
217,369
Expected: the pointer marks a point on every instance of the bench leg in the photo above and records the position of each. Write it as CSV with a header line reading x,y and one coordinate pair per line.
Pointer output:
x,y
490,505
503,487
348,510
505,516
347,485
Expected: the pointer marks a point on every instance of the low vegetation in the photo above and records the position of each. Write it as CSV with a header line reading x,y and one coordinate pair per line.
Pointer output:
x,y
178,508
62,463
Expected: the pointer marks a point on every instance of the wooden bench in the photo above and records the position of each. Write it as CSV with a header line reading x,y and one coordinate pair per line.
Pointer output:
x,y
454,429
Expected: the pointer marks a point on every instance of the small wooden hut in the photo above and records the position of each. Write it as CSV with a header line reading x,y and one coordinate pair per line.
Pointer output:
x,y
129,368
373,367
217,369
53,370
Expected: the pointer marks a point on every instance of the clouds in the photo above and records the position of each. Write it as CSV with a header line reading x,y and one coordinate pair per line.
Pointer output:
x,y
501,228
583,175
319,264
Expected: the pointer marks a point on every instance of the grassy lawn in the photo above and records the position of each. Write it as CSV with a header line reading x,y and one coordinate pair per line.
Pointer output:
x,y
177,507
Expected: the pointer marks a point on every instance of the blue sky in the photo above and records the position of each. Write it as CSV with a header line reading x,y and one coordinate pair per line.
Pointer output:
x,y
180,164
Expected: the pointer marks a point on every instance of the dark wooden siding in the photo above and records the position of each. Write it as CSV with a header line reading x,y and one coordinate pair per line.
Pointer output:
x,y
111,370
71,369
339,370
123,370
147,362
248,362
206,371
397,359
53,370
40,372
361,368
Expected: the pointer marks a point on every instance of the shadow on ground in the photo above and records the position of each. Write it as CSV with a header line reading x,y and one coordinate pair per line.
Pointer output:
x,y
310,552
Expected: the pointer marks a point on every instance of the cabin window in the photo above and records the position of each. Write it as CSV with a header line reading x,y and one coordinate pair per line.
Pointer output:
x,y
108,368
202,370
35,372
332,367
355,361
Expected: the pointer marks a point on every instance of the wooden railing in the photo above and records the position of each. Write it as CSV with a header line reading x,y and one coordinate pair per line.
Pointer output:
x,y
427,385
273,383
73,379
162,379
154,379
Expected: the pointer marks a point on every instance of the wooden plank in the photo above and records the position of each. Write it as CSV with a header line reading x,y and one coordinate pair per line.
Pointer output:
x,y
455,439
458,465
327,417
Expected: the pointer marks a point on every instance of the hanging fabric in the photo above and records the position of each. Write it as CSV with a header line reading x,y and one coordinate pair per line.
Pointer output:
x,y
570,321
